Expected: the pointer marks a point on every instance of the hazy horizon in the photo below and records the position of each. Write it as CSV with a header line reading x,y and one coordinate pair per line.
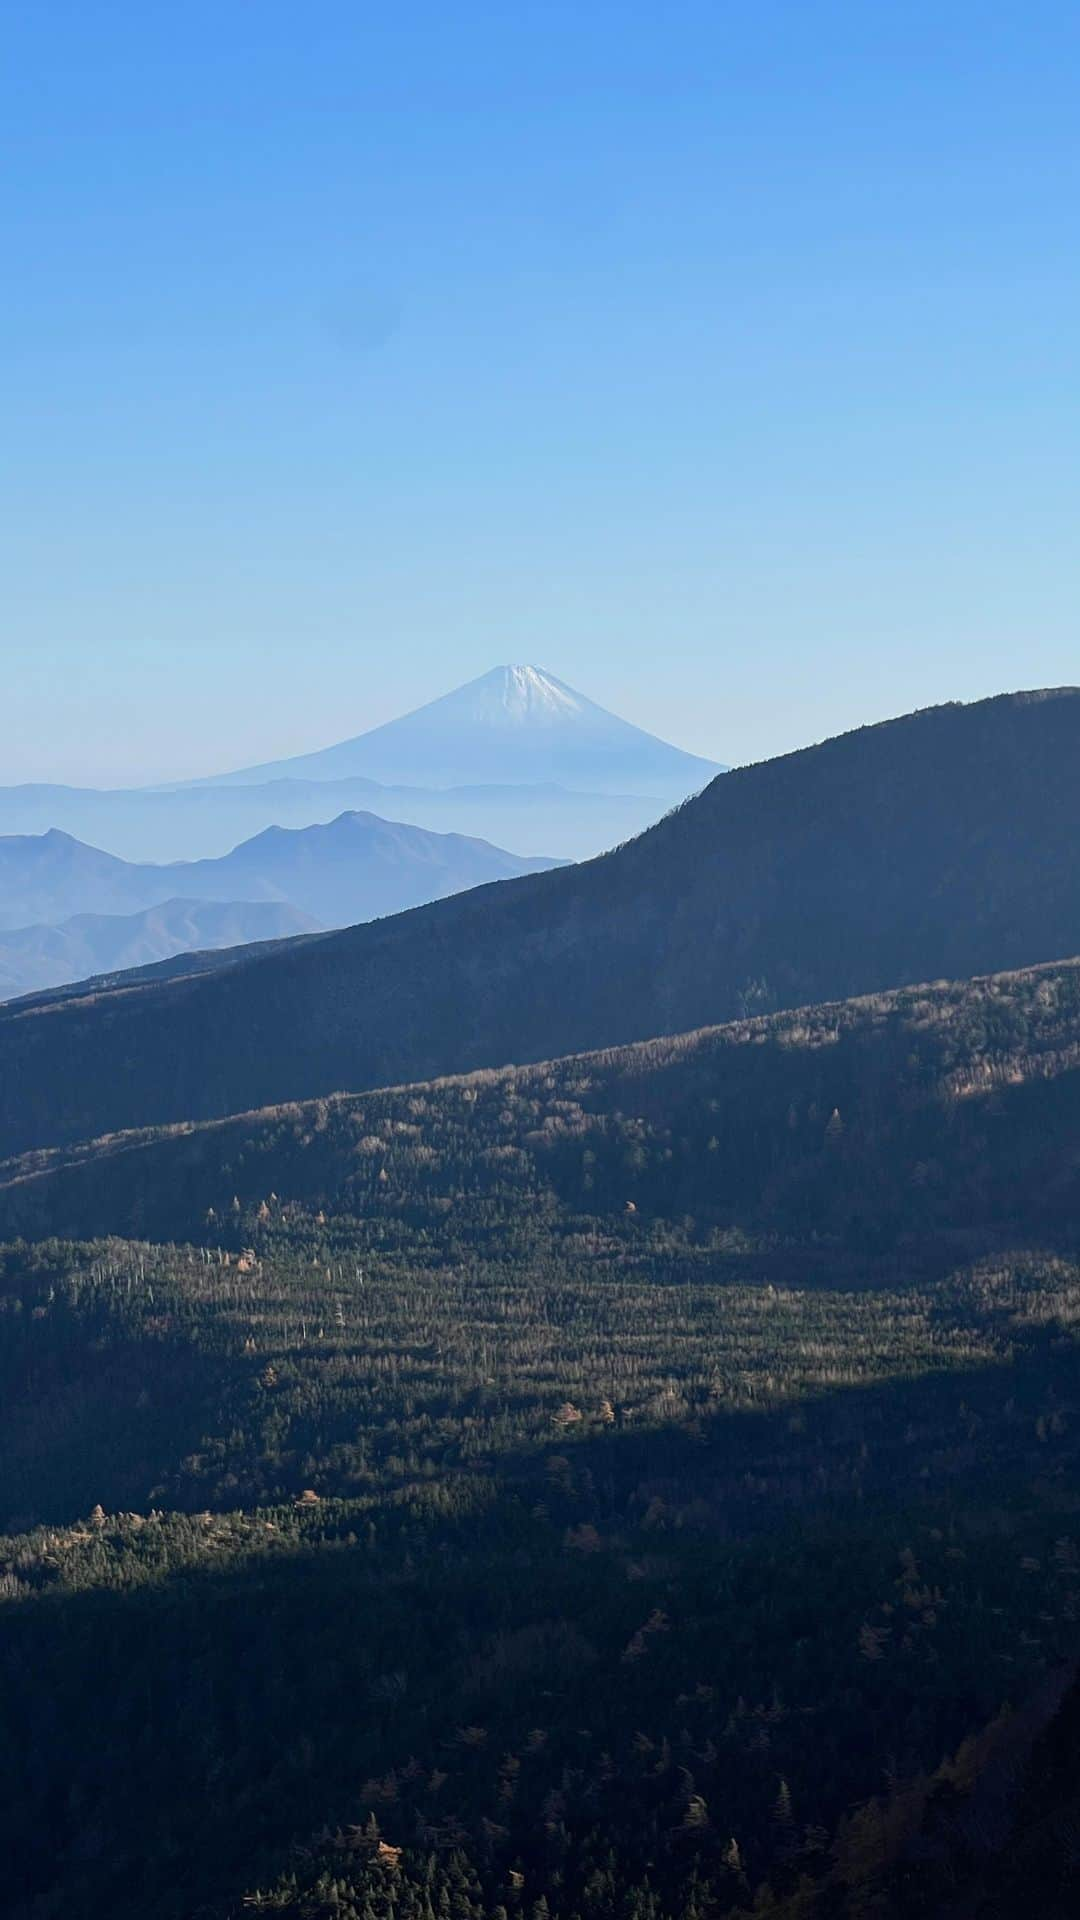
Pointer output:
x,y
180,777
720,361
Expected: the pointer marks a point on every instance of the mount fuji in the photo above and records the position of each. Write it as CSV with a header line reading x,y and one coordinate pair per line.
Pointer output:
x,y
516,726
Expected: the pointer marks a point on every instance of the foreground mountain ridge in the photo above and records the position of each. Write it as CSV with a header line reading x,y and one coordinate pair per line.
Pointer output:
x,y
935,846
937,1108
570,1489
629,1486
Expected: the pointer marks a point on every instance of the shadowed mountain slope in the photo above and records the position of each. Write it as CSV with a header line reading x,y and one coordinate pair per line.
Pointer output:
x,y
932,1111
940,845
640,1430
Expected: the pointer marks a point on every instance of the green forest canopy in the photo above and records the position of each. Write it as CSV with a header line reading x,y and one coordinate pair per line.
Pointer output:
x,y
574,1490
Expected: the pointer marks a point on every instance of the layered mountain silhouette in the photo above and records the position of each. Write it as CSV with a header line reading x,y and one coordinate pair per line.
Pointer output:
x,y
939,845
69,911
517,758
33,958
49,877
517,725
353,868
205,822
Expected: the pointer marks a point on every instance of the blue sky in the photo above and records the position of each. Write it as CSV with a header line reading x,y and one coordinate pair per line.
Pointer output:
x,y
721,358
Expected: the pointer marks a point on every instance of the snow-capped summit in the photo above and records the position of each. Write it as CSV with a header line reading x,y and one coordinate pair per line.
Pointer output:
x,y
514,726
520,696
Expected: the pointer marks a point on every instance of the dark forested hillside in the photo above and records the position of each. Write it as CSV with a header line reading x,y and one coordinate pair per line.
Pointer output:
x,y
950,1110
640,1486
573,1573
934,846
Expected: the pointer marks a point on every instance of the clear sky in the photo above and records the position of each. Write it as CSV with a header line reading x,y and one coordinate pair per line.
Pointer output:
x,y
720,357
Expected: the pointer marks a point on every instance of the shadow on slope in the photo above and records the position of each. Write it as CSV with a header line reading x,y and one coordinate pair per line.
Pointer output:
x,y
947,1111
939,845
619,1616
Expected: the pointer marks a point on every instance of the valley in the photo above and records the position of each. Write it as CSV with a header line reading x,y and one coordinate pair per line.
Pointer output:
x,y
713,1400
498,1449
540,963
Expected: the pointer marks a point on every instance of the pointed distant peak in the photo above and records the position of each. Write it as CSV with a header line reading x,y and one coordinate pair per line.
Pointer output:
x,y
514,697
529,679
52,840
517,724
523,692
339,827
351,821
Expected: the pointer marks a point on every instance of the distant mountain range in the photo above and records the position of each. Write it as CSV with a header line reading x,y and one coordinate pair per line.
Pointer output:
x,y
355,868
204,822
516,758
69,910
940,845
518,726
36,958
481,767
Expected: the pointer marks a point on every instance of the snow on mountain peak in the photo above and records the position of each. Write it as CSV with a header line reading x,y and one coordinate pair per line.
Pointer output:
x,y
523,695
514,725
